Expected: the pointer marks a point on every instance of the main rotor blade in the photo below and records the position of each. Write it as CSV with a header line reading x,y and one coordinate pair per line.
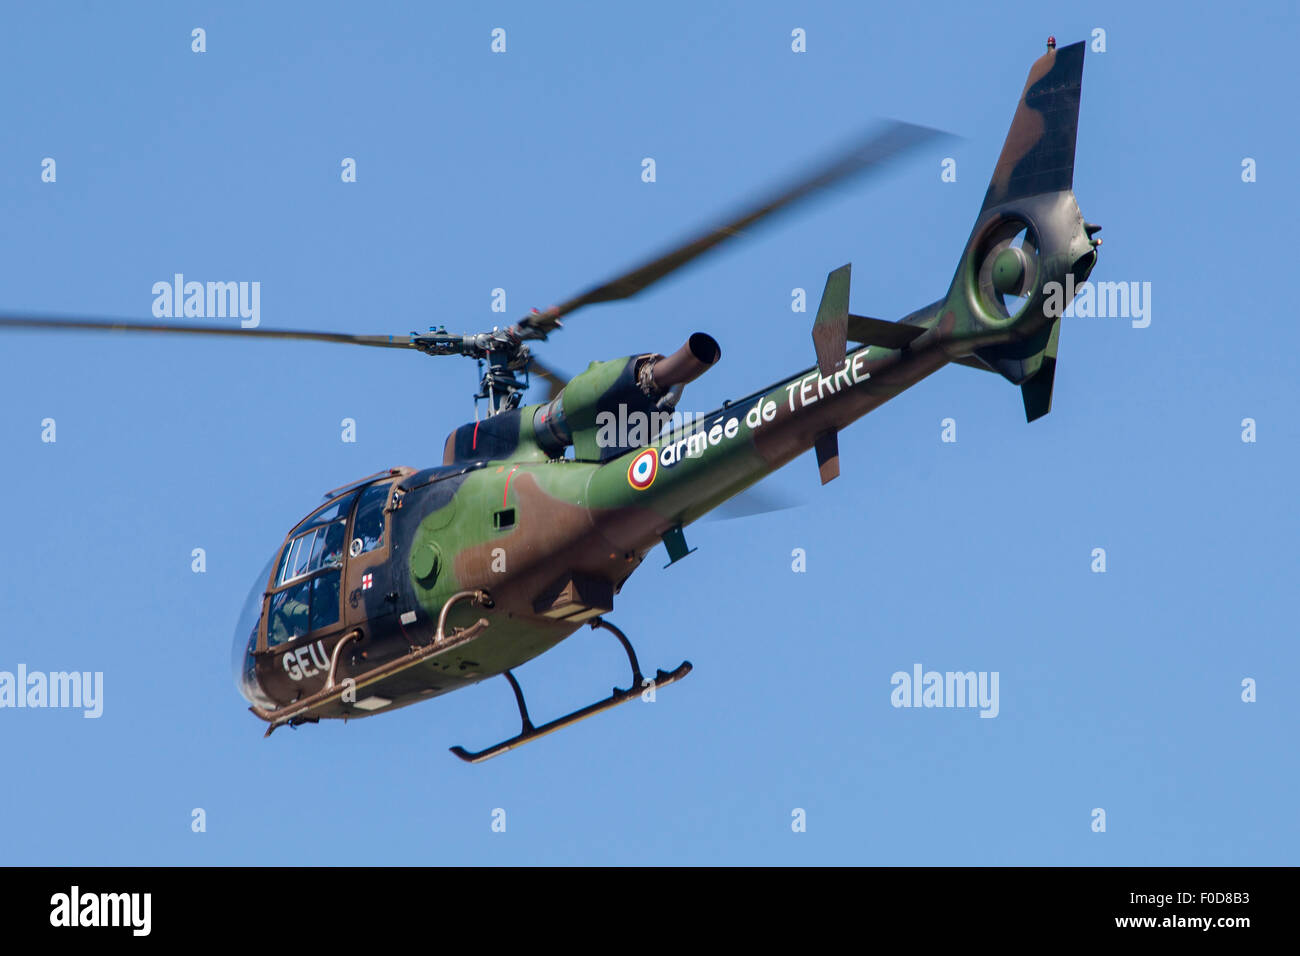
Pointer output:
x,y
754,500
888,142
555,381
116,325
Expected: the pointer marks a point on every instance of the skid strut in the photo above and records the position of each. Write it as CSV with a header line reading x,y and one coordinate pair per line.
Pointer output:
x,y
528,732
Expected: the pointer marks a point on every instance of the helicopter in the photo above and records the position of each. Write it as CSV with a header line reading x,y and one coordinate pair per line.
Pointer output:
x,y
412,583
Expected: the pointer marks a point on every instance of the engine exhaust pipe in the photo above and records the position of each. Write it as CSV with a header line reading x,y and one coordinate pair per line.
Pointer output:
x,y
700,353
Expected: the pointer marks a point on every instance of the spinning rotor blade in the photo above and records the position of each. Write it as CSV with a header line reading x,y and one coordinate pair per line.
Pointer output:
x,y
115,325
752,501
555,381
890,141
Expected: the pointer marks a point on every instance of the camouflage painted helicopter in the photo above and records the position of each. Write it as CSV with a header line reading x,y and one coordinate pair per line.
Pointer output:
x,y
410,584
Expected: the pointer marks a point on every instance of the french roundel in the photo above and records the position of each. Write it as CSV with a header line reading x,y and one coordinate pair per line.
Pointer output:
x,y
641,473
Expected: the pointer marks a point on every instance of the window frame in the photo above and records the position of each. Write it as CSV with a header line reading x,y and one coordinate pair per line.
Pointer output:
x,y
384,512
301,532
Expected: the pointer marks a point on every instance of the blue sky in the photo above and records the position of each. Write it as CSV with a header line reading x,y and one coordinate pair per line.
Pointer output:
x,y
522,170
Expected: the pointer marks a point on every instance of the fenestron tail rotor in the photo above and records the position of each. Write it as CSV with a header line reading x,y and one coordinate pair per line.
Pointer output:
x,y
1030,247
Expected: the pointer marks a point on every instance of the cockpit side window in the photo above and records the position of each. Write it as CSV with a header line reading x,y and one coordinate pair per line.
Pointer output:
x,y
325,599
306,583
333,511
287,618
297,559
312,551
332,552
368,528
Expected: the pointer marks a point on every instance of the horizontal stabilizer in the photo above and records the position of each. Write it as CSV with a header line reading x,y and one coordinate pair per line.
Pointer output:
x,y
827,445
830,336
890,335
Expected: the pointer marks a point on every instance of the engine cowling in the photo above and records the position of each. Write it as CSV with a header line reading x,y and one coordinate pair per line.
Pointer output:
x,y
626,392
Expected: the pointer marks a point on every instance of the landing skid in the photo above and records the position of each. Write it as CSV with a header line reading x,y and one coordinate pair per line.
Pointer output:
x,y
530,733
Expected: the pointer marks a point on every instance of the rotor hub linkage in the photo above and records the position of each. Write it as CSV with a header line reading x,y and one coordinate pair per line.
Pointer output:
x,y
502,345
504,352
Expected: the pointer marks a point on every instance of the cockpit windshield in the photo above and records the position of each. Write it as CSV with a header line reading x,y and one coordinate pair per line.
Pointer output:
x,y
310,574
301,584
246,640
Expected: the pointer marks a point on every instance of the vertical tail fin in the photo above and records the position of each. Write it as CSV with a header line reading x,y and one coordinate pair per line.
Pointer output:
x,y
1029,237
1038,155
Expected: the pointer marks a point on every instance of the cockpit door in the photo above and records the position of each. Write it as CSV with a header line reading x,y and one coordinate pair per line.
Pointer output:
x,y
370,594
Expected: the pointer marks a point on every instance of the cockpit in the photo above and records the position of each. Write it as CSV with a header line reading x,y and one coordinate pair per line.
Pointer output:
x,y
306,583
300,593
